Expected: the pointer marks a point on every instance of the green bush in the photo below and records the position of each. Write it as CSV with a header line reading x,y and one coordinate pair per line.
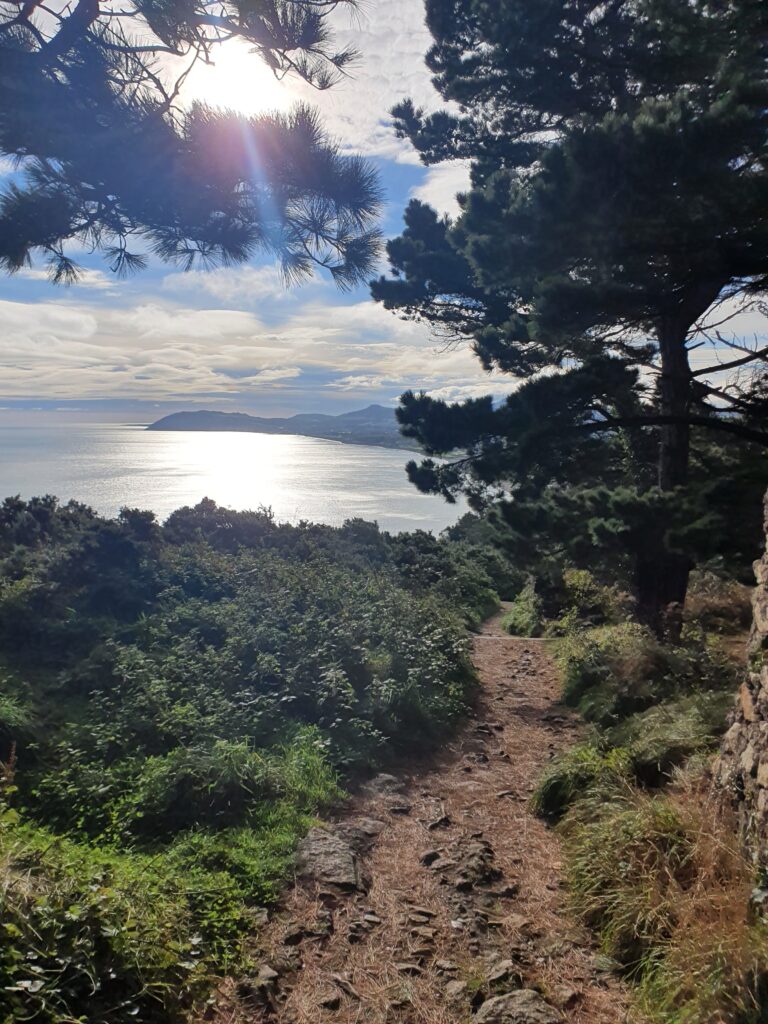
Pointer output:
x,y
92,932
666,736
628,860
664,883
524,617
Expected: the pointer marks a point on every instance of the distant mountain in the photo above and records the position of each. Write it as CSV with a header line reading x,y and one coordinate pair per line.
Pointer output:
x,y
375,425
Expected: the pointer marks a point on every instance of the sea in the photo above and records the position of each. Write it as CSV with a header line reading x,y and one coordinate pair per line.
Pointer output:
x,y
111,466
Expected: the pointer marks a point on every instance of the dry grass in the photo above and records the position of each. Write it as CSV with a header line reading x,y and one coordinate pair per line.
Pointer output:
x,y
664,882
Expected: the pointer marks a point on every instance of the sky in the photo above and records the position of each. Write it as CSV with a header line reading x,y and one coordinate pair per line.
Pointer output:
x,y
236,339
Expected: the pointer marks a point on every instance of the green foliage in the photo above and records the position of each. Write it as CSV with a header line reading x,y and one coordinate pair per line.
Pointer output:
x,y
582,262
587,602
628,863
666,736
613,672
92,931
196,693
580,769
524,618
112,159
718,603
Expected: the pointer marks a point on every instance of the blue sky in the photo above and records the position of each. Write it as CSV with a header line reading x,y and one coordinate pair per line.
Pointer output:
x,y
236,339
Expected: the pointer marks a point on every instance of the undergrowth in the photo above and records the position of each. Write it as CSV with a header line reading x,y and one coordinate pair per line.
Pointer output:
x,y
177,705
654,862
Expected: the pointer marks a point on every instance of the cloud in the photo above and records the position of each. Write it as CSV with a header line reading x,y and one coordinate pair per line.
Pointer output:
x,y
229,284
160,351
391,38
441,185
86,278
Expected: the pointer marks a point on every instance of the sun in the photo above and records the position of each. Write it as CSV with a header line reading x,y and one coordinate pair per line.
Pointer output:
x,y
237,80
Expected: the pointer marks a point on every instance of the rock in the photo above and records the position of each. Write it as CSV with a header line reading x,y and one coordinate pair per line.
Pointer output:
x,y
454,990
422,911
564,996
442,822
418,919
505,972
429,858
445,967
295,935
399,807
266,975
443,864
426,934
372,919
360,833
383,785
327,858
522,1007
408,968
508,892
330,1002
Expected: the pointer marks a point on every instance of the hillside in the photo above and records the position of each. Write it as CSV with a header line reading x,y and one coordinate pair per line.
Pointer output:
x,y
374,425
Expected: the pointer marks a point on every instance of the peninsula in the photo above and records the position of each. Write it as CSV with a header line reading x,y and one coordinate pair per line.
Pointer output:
x,y
374,425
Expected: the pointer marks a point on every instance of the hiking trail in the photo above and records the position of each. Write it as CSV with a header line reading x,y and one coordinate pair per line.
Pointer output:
x,y
437,897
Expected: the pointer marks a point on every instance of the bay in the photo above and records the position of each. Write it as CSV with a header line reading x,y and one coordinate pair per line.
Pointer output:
x,y
109,466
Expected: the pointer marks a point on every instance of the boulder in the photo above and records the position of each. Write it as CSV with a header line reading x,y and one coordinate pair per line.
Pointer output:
x,y
522,1007
329,859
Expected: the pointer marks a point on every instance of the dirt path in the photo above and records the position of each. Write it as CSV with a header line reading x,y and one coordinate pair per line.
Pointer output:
x,y
456,893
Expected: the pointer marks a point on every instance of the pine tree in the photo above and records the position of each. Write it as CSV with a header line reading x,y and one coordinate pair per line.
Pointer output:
x,y
618,194
108,158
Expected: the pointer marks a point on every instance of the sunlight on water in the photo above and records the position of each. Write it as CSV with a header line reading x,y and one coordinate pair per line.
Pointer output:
x,y
299,477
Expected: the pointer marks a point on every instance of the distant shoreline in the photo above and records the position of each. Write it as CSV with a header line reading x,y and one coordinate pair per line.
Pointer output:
x,y
375,427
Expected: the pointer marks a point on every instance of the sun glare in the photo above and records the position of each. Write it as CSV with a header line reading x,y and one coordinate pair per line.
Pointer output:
x,y
238,80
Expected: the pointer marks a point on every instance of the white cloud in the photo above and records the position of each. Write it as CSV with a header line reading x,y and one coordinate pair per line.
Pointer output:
x,y
441,185
86,278
246,284
160,351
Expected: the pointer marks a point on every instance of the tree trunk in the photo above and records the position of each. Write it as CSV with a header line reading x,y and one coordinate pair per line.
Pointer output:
x,y
662,579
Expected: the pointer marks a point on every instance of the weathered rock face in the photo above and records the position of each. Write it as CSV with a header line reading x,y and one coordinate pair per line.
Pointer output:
x,y
742,768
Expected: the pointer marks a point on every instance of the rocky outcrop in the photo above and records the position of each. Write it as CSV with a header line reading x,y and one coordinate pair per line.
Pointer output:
x,y
742,768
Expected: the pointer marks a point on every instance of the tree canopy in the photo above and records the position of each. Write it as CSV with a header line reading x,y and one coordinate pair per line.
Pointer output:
x,y
109,158
616,215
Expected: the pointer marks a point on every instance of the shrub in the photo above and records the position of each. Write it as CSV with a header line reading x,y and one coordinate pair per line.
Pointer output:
x,y
717,604
524,617
613,672
86,931
211,678
666,736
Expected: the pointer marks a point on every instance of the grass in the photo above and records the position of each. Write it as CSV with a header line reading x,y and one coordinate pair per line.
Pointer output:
x,y
654,862
662,881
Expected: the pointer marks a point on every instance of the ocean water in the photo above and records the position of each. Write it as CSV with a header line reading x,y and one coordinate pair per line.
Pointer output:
x,y
110,466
